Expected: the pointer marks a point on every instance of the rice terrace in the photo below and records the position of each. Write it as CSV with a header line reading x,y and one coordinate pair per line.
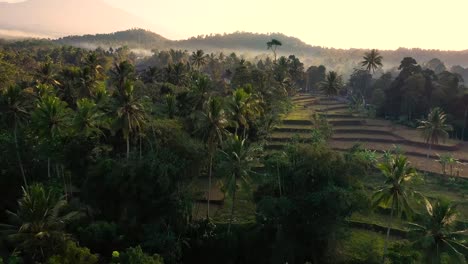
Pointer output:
x,y
233,132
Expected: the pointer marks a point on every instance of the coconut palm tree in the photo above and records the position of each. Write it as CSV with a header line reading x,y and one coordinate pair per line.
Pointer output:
x,y
435,128
243,107
130,115
88,118
50,119
438,235
273,45
211,124
394,194
14,111
37,228
199,59
238,158
332,85
372,60
121,74
46,74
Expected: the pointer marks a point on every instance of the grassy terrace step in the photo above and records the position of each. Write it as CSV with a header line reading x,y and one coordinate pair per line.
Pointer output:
x,y
346,122
365,131
367,138
295,129
297,122
334,108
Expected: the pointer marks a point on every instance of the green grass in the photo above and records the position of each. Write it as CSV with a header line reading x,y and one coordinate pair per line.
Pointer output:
x,y
244,212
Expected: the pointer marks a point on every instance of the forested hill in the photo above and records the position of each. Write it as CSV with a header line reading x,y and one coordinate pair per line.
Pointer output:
x,y
256,43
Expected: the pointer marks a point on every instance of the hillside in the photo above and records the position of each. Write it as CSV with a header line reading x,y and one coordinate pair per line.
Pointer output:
x,y
53,18
255,44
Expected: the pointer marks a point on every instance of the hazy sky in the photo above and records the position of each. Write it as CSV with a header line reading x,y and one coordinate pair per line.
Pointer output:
x,y
332,23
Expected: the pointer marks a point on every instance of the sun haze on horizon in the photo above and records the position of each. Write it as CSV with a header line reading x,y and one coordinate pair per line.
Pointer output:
x,y
334,23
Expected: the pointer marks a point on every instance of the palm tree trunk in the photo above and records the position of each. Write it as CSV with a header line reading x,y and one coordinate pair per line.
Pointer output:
x,y
232,207
279,179
140,148
48,167
388,235
464,124
429,151
128,147
18,156
209,187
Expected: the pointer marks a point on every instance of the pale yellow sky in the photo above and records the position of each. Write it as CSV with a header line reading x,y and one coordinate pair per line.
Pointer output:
x,y
378,24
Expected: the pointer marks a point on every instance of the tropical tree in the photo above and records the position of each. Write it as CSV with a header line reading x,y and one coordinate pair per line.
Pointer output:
x,y
331,85
273,45
37,228
50,119
394,194
121,74
130,115
198,58
88,118
46,74
372,60
238,158
243,107
14,111
211,124
435,128
447,160
438,234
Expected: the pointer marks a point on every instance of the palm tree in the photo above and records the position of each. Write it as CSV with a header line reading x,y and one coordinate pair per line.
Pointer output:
x,y
438,234
122,72
394,194
171,105
51,120
211,125
243,107
199,58
273,45
14,106
237,161
331,85
38,226
372,61
435,128
88,119
46,74
130,115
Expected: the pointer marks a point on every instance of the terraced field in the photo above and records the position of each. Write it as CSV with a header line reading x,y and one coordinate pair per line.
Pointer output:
x,y
373,134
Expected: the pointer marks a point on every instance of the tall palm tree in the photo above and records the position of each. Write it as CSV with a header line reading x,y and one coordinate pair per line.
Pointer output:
x,y
38,226
332,85
273,45
435,128
211,124
46,74
88,118
14,109
51,119
130,115
394,194
243,107
198,58
238,158
438,234
372,60
121,74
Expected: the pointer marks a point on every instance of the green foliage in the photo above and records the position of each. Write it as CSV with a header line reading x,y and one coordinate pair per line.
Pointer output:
x,y
137,256
73,254
402,252
363,247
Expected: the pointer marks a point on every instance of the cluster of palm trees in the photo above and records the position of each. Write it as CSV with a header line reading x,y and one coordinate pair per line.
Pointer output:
x,y
437,234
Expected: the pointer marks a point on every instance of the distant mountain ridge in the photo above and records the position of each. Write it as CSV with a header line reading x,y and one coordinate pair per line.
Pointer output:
x,y
256,43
